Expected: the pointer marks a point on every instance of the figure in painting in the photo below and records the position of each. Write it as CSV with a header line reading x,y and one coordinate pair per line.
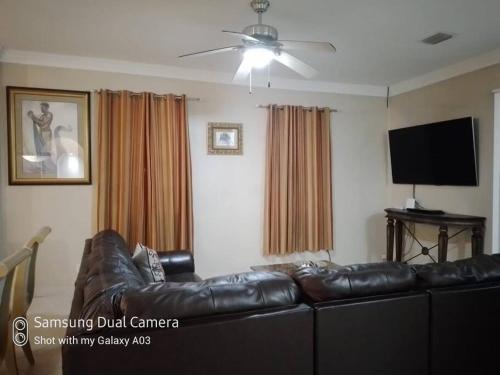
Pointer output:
x,y
225,139
42,132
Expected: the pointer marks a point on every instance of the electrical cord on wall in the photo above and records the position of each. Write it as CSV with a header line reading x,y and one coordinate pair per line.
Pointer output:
x,y
417,205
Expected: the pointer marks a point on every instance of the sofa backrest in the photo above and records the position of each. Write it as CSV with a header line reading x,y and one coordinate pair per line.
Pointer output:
x,y
478,269
321,284
225,294
370,279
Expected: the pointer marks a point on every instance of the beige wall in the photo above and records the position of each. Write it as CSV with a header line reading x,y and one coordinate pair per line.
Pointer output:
x,y
466,95
228,190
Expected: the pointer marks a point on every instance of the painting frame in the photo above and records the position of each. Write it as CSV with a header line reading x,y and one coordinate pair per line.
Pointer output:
x,y
79,102
225,138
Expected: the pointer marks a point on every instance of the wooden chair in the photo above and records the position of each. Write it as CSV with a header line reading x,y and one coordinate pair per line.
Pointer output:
x,y
18,273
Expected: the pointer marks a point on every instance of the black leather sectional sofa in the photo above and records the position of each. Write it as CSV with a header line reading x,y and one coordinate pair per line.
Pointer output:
x,y
386,318
252,323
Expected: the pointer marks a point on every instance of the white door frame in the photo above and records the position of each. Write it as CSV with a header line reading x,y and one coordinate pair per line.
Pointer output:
x,y
495,222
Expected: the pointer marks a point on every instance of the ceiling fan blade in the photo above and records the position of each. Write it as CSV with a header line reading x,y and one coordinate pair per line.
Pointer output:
x,y
296,65
243,71
308,46
241,35
212,51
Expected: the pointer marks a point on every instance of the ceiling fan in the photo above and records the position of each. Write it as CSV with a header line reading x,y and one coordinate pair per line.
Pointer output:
x,y
260,46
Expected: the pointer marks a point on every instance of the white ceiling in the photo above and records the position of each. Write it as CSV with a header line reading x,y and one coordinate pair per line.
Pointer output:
x,y
377,40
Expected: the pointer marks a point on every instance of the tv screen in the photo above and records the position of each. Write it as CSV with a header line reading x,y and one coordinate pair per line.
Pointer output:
x,y
442,153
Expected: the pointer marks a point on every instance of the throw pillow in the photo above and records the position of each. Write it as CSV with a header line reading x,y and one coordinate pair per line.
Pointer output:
x,y
148,263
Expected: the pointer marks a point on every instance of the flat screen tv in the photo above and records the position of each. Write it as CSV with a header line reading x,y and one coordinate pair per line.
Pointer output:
x,y
441,153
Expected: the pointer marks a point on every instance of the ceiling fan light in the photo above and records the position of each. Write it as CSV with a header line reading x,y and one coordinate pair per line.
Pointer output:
x,y
258,57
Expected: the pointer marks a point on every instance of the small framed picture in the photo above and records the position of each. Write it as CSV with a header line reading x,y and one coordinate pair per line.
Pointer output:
x,y
225,138
49,136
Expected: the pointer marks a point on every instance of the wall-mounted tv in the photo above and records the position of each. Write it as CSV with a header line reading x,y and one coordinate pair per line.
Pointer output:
x,y
441,153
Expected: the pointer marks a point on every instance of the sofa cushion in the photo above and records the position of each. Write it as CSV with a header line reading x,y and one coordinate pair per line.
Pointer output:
x,y
322,284
110,271
148,263
480,268
225,294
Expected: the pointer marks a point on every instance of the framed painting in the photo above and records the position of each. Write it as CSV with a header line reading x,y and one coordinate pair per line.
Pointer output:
x,y
48,136
225,138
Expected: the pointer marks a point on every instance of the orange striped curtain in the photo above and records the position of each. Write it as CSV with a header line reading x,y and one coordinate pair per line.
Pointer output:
x,y
144,169
298,195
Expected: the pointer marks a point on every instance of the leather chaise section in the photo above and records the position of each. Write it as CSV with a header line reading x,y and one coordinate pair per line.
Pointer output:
x,y
277,342
269,332
226,294
321,284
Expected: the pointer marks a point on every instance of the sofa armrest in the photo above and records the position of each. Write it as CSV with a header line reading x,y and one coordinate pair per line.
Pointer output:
x,y
177,261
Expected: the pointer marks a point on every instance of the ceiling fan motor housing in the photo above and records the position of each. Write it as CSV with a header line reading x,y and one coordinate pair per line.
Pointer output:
x,y
262,32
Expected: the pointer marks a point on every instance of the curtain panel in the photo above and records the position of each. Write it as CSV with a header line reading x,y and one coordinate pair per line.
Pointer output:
x,y
144,169
298,192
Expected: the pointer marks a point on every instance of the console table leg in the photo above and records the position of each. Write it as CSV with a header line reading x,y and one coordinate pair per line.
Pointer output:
x,y
477,241
399,240
390,239
443,243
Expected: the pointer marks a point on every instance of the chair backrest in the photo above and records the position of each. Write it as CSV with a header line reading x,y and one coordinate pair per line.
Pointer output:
x,y
17,271
24,278
7,270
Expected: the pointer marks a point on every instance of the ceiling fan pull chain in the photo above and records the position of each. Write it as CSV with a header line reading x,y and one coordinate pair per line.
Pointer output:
x,y
250,82
269,75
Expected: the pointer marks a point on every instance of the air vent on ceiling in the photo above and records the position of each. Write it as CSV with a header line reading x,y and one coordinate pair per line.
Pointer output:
x,y
437,38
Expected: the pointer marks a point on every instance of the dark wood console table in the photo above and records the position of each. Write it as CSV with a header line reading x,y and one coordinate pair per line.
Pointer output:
x,y
395,230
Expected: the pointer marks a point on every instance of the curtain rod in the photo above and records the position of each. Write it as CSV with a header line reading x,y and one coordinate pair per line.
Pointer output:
x,y
177,97
306,108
